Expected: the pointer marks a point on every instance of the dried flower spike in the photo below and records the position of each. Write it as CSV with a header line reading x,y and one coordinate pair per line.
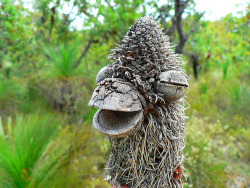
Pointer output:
x,y
141,109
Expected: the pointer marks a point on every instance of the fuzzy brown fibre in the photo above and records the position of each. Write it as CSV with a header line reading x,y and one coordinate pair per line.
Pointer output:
x,y
151,156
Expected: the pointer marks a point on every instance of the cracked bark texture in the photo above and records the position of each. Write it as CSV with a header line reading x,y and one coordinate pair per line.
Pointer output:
x,y
153,155
114,94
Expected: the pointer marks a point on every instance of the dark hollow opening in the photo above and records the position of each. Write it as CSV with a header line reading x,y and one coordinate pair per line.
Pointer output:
x,y
115,120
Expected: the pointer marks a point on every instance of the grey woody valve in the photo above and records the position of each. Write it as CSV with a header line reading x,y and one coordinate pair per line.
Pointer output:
x,y
141,109
173,84
120,107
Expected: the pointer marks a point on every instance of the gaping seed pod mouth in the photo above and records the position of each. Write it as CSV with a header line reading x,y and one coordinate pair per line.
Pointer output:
x,y
120,108
115,123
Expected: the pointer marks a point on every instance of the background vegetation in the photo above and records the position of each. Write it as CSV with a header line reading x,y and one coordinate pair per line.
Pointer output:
x,y
47,75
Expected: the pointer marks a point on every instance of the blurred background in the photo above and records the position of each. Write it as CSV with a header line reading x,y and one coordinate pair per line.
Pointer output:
x,y
50,53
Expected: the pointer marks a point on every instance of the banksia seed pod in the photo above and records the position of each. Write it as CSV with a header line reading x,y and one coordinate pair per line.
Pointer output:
x,y
141,109
143,54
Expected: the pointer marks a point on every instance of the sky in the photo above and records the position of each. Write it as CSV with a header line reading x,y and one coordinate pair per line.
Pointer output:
x,y
215,9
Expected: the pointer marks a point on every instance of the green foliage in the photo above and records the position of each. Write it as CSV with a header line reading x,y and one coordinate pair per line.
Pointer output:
x,y
216,133
223,44
112,18
62,60
11,90
216,140
86,158
15,31
26,157
203,154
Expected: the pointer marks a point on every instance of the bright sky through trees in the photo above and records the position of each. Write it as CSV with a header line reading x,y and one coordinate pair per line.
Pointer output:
x,y
215,9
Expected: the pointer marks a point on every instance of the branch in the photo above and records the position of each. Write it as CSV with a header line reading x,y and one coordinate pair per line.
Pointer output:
x,y
52,18
164,14
171,30
179,9
67,20
84,52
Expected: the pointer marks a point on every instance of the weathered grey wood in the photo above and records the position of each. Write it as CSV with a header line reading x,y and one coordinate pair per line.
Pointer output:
x,y
115,94
174,77
117,124
105,72
172,84
120,107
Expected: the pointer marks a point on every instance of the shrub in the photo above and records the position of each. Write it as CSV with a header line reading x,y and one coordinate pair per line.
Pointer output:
x,y
26,156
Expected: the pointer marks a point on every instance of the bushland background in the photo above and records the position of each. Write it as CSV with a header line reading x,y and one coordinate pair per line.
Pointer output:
x,y
47,76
